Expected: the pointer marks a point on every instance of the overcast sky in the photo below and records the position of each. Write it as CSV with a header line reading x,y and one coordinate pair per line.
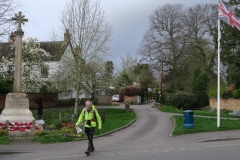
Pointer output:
x,y
129,18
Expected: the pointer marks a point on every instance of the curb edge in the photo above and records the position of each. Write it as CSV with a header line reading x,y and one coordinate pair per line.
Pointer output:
x,y
107,133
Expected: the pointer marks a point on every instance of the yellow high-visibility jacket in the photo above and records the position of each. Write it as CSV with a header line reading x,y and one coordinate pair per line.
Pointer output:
x,y
92,116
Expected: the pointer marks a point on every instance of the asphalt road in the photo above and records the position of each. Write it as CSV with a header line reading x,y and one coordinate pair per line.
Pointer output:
x,y
147,138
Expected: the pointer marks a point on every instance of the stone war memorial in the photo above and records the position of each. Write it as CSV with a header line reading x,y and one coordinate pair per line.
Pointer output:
x,y
16,115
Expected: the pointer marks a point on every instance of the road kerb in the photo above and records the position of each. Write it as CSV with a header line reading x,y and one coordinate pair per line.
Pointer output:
x,y
118,129
173,126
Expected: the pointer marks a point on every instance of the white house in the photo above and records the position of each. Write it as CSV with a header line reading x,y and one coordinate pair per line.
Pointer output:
x,y
59,50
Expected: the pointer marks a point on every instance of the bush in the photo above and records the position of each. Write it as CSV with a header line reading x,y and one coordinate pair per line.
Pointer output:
x,y
200,82
183,100
65,102
202,100
3,133
226,94
157,98
41,133
133,91
212,92
94,101
121,94
236,93
6,86
129,91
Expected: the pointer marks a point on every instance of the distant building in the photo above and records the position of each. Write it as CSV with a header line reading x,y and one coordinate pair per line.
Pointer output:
x,y
57,50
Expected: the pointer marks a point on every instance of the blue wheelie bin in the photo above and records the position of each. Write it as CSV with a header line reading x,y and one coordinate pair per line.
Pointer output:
x,y
188,119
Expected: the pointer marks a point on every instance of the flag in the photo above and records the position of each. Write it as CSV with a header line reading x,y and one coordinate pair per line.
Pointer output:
x,y
226,14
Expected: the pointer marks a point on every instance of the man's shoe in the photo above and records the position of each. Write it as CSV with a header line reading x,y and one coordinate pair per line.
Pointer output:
x,y
92,149
87,153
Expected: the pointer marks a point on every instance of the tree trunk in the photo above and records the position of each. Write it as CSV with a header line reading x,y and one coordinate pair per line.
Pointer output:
x,y
76,100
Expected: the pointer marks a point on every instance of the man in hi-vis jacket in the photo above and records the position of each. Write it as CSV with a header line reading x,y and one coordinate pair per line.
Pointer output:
x,y
92,119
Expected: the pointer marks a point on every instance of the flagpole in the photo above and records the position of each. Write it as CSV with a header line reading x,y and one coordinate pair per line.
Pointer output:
x,y
218,83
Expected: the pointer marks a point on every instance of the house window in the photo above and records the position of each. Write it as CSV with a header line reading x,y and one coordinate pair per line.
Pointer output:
x,y
44,71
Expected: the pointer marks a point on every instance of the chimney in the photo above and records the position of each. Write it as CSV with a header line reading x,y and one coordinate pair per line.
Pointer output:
x,y
77,50
66,36
12,37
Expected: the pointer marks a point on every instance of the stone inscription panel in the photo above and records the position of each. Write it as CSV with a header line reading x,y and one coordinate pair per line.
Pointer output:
x,y
17,101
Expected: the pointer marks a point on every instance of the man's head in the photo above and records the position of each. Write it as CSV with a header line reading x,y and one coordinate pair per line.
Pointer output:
x,y
88,105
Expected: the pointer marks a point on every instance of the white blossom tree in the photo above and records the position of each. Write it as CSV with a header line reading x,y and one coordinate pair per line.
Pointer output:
x,y
33,64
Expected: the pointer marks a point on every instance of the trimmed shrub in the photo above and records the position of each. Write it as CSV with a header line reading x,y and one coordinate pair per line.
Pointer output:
x,y
183,100
133,91
236,93
121,94
129,91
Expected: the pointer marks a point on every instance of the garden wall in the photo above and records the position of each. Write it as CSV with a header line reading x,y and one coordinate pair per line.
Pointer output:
x,y
230,104
103,99
134,99
49,100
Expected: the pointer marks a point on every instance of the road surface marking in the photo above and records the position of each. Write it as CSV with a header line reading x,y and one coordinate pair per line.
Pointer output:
x,y
224,145
58,157
107,153
126,152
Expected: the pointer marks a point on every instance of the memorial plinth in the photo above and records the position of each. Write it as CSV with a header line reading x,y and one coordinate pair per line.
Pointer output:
x,y
16,108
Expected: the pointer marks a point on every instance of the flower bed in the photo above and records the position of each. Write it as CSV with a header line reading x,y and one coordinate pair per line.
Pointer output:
x,y
23,126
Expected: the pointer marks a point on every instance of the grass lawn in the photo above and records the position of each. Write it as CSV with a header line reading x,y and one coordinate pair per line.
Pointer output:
x,y
5,140
204,125
114,119
172,109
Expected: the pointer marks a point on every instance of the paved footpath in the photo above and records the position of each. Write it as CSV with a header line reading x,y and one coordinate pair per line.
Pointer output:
x,y
151,127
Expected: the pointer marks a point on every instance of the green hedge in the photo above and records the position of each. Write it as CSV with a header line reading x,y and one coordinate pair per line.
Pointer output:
x,y
66,102
182,100
236,94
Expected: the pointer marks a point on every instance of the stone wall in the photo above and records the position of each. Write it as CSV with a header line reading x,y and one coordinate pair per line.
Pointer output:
x,y
230,104
103,99
130,99
49,100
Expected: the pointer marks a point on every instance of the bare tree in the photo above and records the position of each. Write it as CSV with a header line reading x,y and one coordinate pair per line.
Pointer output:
x,y
6,11
184,37
90,33
166,36
199,20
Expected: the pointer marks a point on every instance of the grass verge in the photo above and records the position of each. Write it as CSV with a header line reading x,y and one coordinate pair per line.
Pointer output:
x,y
114,119
5,140
204,125
172,109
